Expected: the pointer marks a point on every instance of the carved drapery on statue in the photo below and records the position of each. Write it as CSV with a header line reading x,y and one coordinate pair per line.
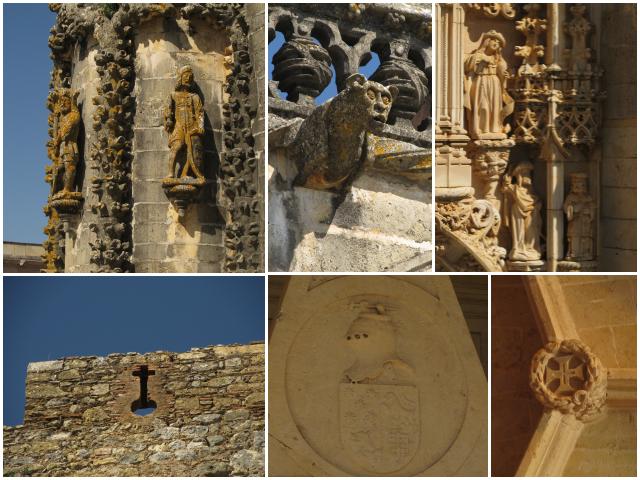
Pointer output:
x,y
522,214
184,122
556,116
580,209
486,99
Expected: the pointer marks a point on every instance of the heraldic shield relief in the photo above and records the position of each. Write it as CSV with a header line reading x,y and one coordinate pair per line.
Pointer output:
x,y
379,402
380,425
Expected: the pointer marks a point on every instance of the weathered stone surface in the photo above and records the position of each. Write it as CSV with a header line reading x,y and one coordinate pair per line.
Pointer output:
x,y
84,425
342,348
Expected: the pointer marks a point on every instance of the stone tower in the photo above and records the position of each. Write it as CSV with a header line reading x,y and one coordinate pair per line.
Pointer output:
x,y
124,107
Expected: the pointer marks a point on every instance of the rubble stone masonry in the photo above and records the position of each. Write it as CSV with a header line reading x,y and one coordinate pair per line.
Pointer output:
x,y
208,418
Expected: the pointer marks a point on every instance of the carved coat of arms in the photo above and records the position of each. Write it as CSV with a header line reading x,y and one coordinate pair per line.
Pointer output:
x,y
379,402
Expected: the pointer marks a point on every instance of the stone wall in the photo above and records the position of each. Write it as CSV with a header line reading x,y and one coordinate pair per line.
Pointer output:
x,y
208,421
618,54
515,412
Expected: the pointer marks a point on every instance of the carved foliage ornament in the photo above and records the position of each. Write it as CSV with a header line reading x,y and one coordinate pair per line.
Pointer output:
x,y
114,25
567,376
493,10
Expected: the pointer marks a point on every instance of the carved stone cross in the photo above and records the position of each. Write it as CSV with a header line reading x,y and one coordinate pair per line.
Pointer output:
x,y
564,374
143,372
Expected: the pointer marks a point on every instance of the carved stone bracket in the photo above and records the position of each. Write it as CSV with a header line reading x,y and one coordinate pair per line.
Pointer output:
x,y
490,158
568,377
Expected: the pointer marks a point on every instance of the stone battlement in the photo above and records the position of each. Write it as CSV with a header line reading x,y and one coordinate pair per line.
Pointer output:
x,y
82,415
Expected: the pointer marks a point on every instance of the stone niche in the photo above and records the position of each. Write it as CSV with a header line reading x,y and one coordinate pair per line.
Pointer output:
x,y
374,376
163,241
127,210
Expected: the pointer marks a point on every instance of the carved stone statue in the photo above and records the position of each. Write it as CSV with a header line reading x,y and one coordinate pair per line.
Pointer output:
x,y
372,339
184,122
486,99
64,151
522,214
580,209
329,147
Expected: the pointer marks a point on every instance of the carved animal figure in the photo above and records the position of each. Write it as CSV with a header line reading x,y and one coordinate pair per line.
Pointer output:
x,y
331,142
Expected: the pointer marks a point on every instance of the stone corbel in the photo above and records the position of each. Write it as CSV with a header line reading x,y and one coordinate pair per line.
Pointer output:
x,y
489,159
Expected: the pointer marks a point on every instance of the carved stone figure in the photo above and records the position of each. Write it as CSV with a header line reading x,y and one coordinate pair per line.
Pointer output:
x,y
372,339
522,213
580,209
331,142
63,151
486,99
184,122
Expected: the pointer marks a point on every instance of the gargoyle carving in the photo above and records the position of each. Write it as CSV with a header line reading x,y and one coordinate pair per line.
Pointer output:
x,y
331,143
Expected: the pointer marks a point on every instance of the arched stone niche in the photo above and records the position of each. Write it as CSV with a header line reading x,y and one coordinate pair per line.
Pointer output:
x,y
162,240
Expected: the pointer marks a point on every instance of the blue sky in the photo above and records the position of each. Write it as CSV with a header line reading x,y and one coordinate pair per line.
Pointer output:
x,y
26,85
47,318
331,90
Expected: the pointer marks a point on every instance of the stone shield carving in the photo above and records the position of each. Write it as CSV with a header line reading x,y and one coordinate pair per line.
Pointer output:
x,y
380,425
373,382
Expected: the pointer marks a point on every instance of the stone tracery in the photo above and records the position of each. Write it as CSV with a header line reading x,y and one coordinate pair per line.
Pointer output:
x,y
554,95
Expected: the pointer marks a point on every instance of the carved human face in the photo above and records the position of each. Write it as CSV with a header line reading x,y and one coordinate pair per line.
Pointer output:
x,y
579,185
493,45
380,102
187,77
369,336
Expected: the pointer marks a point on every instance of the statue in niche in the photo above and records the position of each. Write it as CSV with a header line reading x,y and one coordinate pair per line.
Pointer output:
x,y
184,122
64,151
580,209
372,339
486,99
522,213
331,143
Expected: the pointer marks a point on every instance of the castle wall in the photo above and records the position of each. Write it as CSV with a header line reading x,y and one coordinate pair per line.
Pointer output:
x,y
618,55
209,419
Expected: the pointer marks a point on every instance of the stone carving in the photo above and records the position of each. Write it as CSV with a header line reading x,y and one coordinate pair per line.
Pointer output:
x,y
531,27
114,27
522,213
486,99
468,228
63,151
567,376
490,158
578,28
184,122
493,10
399,71
580,209
327,154
302,68
239,171
379,404
371,337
